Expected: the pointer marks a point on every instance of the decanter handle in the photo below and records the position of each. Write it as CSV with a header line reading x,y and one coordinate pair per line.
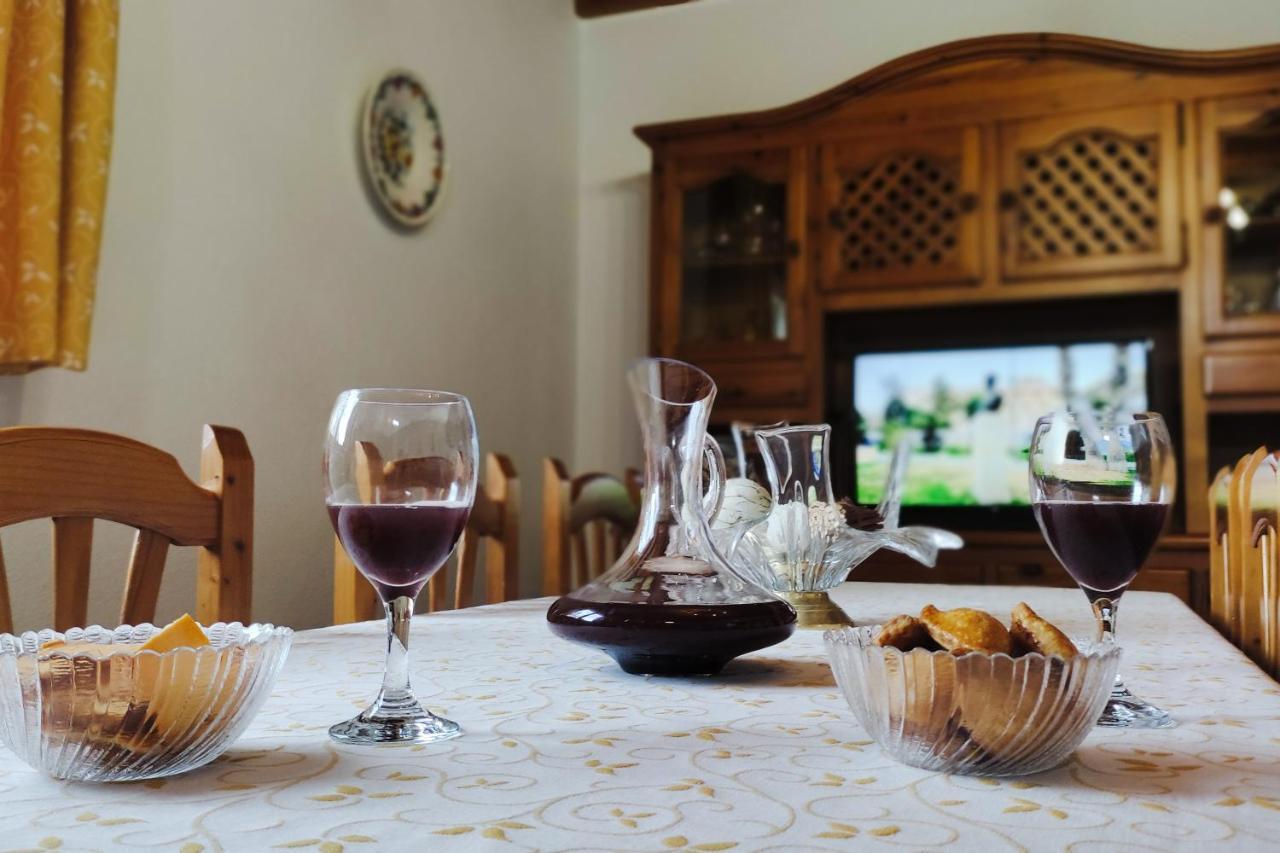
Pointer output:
x,y
715,493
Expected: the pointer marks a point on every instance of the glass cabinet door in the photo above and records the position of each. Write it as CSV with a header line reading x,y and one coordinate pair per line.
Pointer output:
x,y
734,267
1242,192
732,272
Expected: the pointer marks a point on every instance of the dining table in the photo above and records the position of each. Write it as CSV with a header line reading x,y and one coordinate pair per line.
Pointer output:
x,y
564,751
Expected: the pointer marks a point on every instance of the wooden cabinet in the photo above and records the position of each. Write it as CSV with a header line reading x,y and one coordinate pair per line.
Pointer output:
x,y
1010,170
1090,193
1240,207
901,210
731,280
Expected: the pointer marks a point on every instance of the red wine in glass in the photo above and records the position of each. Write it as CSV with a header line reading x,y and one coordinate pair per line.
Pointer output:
x,y
399,484
1102,485
1101,544
398,547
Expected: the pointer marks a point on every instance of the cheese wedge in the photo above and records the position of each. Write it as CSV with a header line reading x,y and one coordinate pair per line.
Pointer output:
x,y
183,631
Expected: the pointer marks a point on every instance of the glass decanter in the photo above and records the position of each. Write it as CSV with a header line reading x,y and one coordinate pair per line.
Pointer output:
x,y
801,546
671,604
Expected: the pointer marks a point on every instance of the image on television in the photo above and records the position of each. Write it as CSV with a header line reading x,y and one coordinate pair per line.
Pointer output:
x,y
968,413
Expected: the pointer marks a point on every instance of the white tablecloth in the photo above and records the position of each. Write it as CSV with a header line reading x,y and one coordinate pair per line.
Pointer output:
x,y
564,751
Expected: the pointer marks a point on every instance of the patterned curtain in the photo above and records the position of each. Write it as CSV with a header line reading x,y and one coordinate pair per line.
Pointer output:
x,y
57,81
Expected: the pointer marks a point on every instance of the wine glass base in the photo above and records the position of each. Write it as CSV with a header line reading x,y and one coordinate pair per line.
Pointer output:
x,y
1126,711
377,730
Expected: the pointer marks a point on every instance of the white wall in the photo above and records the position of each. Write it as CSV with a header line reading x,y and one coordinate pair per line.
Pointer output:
x,y
245,279
719,56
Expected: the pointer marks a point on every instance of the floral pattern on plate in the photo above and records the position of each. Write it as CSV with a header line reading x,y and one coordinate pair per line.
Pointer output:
x,y
403,147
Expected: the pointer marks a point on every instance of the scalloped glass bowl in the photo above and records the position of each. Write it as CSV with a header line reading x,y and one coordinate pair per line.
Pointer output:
x,y
977,714
98,716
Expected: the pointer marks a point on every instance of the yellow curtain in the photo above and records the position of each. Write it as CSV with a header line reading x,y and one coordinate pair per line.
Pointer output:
x,y
57,81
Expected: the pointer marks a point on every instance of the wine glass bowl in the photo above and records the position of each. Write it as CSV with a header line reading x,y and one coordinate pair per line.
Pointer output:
x,y
1102,487
400,481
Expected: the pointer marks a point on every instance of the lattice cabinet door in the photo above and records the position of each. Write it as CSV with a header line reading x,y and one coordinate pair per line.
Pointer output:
x,y
1090,193
901,210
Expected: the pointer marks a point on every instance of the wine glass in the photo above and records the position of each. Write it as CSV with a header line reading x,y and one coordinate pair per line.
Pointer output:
x,y
400,480
1102,486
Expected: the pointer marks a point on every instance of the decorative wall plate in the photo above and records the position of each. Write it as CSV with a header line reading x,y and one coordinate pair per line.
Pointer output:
x,y
403,147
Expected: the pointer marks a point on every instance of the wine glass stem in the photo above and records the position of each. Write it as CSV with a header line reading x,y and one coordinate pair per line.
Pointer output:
x,y
395,679
1105,611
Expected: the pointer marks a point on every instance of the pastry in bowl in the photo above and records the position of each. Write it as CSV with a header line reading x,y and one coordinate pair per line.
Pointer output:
x,y
135,702
966,630
971,699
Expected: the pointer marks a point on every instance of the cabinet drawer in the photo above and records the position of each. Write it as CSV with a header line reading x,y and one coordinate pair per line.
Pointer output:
x,y
1242,373
1176,581
767,384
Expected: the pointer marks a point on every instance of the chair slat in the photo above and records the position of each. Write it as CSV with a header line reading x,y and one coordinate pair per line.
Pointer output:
x,y
142,582
1254,497
72,551
1239,529
502,545
354,598
436,591
1219,547
556,556
6,608
465,577
596,547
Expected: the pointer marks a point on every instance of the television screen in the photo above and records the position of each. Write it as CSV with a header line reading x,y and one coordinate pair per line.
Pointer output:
x,y
968,413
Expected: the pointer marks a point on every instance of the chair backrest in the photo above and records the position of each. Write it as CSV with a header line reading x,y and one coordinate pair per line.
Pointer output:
x,y
586,522
73,476
1219,547
1238,528
1258,617
1244,586
494,522
1248,613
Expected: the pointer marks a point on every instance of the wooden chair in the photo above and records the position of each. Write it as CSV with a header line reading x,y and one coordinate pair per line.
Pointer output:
x,y
1245,585
73,476
586,522
495,519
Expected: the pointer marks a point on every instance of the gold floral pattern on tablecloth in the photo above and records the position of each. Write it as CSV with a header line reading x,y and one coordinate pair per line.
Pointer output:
x,y
563,750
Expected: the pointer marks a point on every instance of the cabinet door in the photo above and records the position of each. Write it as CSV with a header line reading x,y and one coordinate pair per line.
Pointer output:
x,y
1240,195
732,279
901,210
1090,193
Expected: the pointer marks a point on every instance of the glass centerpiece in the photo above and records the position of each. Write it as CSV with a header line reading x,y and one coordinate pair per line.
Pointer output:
x,y
671,604
800,542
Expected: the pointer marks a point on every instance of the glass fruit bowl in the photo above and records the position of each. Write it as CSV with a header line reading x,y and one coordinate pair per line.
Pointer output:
x,y
86,713
977,714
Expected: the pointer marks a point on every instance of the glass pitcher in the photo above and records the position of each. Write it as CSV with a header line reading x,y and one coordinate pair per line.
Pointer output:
x,y
671,604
